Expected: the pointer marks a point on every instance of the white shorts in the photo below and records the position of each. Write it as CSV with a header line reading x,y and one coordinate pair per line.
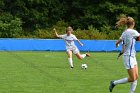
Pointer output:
x,y
129,61
74,49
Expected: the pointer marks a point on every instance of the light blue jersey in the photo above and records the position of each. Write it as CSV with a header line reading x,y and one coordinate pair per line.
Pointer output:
x,y
129,37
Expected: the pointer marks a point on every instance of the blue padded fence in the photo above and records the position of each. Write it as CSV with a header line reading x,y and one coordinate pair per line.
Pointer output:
x,y
57,45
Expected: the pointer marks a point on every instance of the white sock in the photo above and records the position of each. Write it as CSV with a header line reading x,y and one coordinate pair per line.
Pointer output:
x,y
70,62
133,86
121,81
83,55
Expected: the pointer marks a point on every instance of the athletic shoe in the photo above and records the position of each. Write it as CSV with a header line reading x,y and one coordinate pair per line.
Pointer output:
x,y
71,67
87,54
112,85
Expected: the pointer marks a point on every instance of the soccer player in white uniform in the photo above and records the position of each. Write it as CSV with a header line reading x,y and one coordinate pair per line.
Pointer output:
x,y
69,39
128,38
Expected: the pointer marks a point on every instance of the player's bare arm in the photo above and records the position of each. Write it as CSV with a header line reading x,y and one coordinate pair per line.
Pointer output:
x,y
79,42
55,32
118,42
123,48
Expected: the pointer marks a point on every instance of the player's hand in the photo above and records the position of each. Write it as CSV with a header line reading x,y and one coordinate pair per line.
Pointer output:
x,y
54,29
117,45
82,44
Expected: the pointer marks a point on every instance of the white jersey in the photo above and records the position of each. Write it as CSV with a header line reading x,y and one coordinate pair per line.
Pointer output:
x,y
128,37
69,40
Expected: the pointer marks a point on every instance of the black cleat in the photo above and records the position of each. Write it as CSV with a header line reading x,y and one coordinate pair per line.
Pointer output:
x,y
87,54
112,85
71,67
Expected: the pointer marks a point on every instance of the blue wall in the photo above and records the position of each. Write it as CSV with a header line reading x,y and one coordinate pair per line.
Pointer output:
x,y
57,45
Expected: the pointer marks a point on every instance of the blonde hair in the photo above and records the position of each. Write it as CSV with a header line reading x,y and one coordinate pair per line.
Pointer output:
x,y
69,28
125,21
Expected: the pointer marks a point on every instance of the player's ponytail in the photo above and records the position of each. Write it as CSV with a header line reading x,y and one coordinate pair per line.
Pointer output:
x,y
125,21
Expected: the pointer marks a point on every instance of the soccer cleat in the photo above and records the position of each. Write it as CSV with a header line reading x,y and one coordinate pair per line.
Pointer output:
x,y
71,67
112,85
87,54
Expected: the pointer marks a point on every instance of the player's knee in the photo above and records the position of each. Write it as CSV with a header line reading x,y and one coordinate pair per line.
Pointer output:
x,y
69,56
132,79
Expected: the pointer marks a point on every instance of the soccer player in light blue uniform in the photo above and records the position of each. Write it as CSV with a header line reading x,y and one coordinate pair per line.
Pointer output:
x,y
69,39
128,38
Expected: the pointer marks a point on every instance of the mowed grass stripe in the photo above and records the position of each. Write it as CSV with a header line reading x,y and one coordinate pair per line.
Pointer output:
x,y
49,72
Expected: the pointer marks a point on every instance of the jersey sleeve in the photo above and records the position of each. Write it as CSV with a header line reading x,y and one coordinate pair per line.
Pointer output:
x,y
74,37
61,36
136,34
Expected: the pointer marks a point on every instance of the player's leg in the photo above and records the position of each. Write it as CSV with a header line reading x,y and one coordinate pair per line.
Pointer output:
x,y
69,53
114,83
81,56
123,80
134,83
132,79
130,64
136,68
132,74
137,72
133,86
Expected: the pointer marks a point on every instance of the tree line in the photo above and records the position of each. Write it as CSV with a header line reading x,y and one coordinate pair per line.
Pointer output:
x,y
93,19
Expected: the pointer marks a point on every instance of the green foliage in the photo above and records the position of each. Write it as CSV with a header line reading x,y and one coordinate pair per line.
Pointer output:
x,y
92,33
61,26
40,16
41,33
9,26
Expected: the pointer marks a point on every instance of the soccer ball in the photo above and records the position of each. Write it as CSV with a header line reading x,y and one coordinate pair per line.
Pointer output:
x,y
84,66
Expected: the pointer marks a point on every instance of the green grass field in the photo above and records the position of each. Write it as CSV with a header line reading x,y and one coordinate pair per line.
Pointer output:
x,y
49,72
